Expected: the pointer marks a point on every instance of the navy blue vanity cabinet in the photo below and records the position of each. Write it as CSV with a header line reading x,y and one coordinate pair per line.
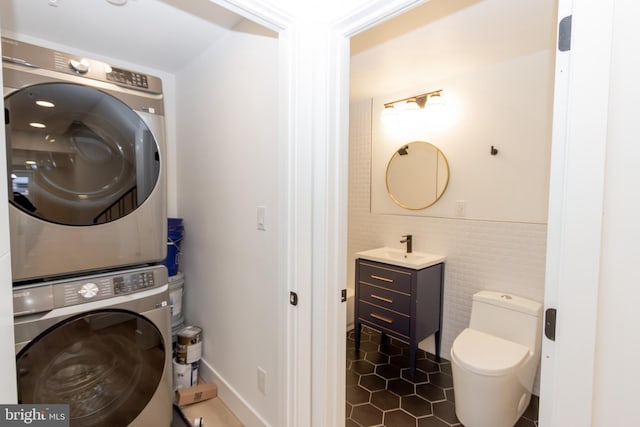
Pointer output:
x,y
402,303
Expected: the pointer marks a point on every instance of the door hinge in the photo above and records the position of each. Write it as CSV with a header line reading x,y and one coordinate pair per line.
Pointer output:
x,y
343,295
293,298
550,323
564,34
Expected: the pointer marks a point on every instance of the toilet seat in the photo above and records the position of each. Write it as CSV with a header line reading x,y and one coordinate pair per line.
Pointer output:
x,y
486,354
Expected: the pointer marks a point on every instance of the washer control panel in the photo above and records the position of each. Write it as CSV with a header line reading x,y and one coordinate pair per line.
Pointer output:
x,y
133,282
47,296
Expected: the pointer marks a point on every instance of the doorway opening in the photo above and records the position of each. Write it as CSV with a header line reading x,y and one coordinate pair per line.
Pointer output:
x,y
497,80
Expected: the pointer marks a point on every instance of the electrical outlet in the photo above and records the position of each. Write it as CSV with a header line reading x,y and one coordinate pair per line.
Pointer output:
x,y
262,380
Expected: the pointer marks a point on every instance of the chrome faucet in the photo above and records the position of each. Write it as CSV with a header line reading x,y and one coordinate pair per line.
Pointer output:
x,y
408,239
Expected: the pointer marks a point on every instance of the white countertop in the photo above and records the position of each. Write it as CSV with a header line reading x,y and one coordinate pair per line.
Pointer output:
x,y
399,257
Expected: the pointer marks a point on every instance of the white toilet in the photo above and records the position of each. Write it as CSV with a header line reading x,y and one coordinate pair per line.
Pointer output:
x,y
494,360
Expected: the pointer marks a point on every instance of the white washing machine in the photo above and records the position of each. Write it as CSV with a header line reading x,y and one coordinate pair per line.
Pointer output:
x,y
85,159
101,344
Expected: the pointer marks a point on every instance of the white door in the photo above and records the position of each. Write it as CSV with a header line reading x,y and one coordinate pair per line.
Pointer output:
x,y
575,214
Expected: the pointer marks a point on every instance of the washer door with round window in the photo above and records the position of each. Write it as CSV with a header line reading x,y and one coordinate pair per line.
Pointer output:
x,y
106,365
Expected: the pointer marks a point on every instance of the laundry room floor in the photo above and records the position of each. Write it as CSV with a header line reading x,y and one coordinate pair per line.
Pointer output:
x,y
381,393
213,412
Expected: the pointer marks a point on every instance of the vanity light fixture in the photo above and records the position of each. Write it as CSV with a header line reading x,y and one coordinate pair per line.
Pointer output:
x,y
412,103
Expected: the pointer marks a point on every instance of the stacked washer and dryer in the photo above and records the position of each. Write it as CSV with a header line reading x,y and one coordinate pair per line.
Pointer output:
x,y
86,177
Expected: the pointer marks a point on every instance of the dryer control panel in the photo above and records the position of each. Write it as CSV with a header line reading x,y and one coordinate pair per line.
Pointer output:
x,y
32,56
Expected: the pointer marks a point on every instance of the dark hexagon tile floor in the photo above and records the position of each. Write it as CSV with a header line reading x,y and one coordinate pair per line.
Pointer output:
x,y
381,393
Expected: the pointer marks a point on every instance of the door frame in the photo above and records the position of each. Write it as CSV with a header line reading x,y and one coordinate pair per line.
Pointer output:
x,y
575,213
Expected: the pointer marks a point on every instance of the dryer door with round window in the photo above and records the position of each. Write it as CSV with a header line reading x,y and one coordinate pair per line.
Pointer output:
x,y
77,156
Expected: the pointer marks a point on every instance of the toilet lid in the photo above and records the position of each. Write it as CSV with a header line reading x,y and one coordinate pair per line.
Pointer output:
x,y
486,354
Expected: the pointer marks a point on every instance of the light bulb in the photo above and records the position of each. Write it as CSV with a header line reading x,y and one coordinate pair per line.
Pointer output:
x,y
411,105
435,100
389,114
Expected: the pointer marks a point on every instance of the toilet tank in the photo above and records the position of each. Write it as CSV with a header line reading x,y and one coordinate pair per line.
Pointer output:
x,y
508,316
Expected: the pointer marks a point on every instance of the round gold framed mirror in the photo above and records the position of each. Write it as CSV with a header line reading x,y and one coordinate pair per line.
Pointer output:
x,y
417,175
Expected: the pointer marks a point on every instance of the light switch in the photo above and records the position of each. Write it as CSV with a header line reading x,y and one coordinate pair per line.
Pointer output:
x,y
261,215
461,208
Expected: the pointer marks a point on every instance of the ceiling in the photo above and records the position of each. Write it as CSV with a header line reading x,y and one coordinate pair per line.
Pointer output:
x,y
160,34
431,42
444,38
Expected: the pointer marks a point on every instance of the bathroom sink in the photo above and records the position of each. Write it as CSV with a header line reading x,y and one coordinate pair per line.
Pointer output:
x,y
399,257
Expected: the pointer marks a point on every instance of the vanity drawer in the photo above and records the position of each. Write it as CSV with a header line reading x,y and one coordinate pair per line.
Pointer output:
x,y
385,298
385,319
386,277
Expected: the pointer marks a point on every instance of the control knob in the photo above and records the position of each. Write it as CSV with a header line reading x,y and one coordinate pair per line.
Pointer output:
x,y
80,67
89,290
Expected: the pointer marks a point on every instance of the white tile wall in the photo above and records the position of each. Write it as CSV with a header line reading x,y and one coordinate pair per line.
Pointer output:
x,y
503,256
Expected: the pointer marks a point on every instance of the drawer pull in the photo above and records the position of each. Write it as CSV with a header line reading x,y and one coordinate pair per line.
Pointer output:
x,y
384,319
384,279
383,299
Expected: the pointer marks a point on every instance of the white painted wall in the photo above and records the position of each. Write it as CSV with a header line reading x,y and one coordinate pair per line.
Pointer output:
x,y
229,164
618,342
507,105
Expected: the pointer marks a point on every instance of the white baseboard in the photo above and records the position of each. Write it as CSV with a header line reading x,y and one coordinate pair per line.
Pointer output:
x,y
236,403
